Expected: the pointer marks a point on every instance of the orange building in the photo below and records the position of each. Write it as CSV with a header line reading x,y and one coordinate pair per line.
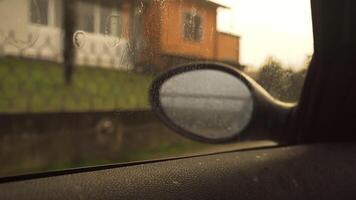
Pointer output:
x,y
178,31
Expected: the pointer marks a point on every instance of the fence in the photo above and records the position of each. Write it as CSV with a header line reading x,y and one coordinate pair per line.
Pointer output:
x,y
45,43
31,73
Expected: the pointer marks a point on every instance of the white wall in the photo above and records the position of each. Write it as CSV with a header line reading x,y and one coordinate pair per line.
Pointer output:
x,y
45,42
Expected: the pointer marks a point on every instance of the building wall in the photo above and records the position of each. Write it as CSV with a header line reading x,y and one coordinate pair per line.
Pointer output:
x,y
21,38
228,48
165,44
13,22
172,41
151,23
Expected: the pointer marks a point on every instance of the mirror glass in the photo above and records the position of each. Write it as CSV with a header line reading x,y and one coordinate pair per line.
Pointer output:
x,y
209,103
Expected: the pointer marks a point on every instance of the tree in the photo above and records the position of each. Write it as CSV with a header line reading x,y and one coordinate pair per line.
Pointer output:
x,y
283,84
272,77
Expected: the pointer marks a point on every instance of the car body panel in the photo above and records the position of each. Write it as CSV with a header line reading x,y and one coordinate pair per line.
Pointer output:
x,y
319,171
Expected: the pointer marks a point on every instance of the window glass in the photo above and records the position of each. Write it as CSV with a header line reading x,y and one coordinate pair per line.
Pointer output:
x,y
81,99
86,19
110,21
192,27
39,12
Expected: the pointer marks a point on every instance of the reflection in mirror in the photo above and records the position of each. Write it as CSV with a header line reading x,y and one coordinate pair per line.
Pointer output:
x,y
209,103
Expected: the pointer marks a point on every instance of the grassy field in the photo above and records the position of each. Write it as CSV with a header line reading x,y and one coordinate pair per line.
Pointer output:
x,y
38,86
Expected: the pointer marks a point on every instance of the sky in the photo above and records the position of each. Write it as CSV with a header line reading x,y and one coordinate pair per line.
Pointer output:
x,y
278,28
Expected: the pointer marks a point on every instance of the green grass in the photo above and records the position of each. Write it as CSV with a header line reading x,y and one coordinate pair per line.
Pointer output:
x,y
38,86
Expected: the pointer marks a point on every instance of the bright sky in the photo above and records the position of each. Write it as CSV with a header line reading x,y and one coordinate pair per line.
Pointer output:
x,y
278,28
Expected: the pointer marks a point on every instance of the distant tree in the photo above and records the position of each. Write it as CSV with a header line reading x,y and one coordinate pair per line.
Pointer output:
x,y
283,84
271,77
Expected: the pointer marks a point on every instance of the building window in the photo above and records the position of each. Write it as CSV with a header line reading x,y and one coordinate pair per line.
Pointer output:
x,y
46,12
193,27
39,11
110,22
86,17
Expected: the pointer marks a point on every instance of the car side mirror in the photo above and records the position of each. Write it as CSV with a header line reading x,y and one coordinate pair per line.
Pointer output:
x,y
215,103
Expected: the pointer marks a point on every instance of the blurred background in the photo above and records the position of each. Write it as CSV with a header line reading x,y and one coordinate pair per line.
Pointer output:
x,y
74,75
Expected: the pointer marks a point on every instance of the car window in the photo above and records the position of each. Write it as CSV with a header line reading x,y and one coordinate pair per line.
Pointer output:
x,y
81,99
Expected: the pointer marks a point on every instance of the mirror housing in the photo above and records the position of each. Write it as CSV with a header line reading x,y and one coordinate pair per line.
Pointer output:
x,y
203,101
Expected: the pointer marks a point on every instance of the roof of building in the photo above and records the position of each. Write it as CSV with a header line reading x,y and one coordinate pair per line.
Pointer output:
x,y
215,3
229,34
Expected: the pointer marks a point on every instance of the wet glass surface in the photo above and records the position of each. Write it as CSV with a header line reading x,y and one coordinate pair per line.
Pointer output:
x,y
216,109
74,79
